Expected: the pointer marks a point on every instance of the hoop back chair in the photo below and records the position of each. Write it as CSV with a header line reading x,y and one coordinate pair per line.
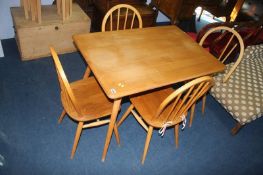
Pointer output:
x,y
166,107
84,101
233,41
233,48
130,15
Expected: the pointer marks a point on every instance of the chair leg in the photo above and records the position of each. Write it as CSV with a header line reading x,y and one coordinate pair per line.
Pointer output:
x,y
76,140
192,115
116,132
147,142
62,115
176,134
203,104
87,73
125,115
236,128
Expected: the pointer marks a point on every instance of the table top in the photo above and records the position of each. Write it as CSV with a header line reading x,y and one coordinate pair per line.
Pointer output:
x,y
131,61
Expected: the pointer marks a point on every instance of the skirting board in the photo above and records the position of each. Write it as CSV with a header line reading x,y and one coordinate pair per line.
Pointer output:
x,y
1,50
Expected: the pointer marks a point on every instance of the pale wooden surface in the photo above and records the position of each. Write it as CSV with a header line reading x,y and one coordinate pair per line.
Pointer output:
x,y
33,39
132,61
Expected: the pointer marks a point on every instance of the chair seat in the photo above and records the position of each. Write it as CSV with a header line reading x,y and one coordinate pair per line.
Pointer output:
x,y
242,94
91,99
148,103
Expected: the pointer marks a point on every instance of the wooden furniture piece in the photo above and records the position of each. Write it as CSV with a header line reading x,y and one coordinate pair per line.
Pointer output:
x,y
157,56
124,16
178,10
232,40
84,101
242,94
147,13
33,39
232,43
33,8
223,9
171,8
88,7
165,108
64,8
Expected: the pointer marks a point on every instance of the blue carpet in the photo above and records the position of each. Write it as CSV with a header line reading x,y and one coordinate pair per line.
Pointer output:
x,y
31,141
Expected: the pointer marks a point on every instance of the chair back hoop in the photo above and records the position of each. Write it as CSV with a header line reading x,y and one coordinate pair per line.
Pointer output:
x,y
229,48
180,101
63,81
207,27
122,10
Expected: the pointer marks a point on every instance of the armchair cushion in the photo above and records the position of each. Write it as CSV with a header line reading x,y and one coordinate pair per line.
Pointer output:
x,y
242,94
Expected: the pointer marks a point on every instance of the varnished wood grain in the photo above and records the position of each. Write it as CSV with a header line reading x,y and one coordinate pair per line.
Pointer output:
x,y
132,61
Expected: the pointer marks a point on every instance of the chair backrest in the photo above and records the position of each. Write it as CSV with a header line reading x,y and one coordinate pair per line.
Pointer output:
x,y
121,17
209,26
227,44
176,105
63,82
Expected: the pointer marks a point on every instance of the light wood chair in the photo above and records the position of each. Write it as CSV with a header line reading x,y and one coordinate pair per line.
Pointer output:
x,y
166,107
121,11
233,42
84,101
231,47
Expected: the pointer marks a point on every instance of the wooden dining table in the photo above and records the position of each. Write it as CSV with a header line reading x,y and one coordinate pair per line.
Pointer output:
x,y
132,61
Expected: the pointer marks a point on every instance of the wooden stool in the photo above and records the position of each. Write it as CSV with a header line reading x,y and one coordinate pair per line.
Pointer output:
x,y
64,8
32,7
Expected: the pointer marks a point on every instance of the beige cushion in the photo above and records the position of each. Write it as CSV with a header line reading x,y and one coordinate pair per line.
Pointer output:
x,y
242,94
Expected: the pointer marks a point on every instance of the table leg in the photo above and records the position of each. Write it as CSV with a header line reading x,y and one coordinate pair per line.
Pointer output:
x,y
115,110
87,73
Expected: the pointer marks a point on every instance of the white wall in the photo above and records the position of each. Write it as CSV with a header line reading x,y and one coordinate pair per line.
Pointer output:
x,y
6,23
